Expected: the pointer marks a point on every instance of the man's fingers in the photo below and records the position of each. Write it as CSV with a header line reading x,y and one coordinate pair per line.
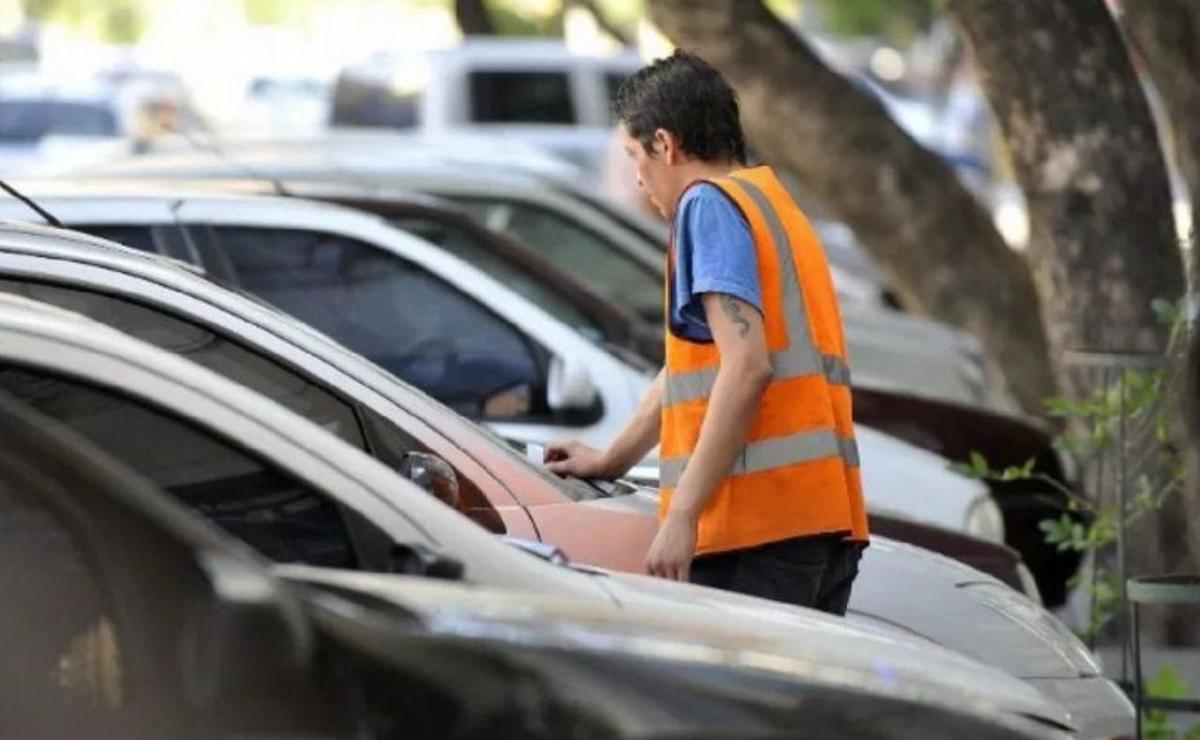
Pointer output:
x,y
651,567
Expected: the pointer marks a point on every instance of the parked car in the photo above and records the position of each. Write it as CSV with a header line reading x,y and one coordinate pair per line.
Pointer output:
x,y
901,385
452,330
297,494
951,430
48,123
532,91
607,524
618,255
111,583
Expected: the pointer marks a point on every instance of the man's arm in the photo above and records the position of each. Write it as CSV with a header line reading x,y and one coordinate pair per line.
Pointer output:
x,y
743,376
634,442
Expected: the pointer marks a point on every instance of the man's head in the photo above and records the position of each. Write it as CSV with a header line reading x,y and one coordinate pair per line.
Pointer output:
x,y
675,116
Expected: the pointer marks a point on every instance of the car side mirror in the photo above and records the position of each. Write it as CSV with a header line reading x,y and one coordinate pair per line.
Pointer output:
x,y
569,385
433,474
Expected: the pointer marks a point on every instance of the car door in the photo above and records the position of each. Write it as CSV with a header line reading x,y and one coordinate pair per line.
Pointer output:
x,y
483,499
109,615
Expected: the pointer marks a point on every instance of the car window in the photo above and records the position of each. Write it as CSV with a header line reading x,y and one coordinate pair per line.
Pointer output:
x,y
465,246
576,251
267,508
165,239
370,103
386,441
206,348
521,97
420,328
140,238
390,444
31,120
64,652
612,84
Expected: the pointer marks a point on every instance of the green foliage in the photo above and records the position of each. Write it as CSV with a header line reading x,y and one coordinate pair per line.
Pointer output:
x,y
900,20
510,22
270,12
980,469
1135,398
115,21
1167,684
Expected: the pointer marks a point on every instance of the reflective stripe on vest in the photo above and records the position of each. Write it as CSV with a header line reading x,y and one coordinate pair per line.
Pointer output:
x,y
800,358
779,452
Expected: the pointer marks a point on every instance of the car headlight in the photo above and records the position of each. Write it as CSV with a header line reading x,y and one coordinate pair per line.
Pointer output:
x,y
985,520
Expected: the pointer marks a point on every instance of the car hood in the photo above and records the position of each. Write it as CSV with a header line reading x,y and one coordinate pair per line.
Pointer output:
x,y
684,622
961,608
946,602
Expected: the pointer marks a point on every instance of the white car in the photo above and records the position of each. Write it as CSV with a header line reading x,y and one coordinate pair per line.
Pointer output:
x,y
154,300
298,494
526,91
619,254
452,330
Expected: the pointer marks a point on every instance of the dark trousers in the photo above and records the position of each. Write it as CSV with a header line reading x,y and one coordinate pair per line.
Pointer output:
x,y
816,571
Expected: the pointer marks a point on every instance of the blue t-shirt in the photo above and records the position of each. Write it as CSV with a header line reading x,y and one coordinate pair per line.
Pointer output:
x,y
714,253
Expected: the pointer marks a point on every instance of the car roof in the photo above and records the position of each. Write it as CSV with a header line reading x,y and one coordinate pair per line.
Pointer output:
x,y
247,185
382,146
81,347
59,244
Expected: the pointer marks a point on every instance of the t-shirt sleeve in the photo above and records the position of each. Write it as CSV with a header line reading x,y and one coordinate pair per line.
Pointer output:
x,y
715,254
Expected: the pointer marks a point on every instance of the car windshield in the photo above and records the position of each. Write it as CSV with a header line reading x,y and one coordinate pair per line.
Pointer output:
x,y
32,120
575,250
546,296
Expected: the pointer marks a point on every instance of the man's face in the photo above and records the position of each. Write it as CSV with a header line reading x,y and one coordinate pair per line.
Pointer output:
x,y
653,171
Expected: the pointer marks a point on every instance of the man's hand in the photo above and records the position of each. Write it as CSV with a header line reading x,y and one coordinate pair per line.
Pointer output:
x,y
673,548
575,459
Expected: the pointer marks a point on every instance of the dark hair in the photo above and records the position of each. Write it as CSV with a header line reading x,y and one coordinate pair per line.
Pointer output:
x,y
683,94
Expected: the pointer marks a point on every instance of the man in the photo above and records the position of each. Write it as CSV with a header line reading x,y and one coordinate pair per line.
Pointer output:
x,y
760,483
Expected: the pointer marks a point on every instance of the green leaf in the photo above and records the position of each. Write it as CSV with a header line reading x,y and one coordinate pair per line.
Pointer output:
x,y
979,464
1168,684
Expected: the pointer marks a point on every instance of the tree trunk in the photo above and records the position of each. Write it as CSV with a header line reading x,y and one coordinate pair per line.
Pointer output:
x,y
1166,34
1086,155
603,21
1191,496
473,18
934,241
1102,237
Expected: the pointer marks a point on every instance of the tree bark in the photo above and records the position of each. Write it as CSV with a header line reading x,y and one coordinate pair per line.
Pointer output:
x,y
1166,35
933,240
473,18
1102,237
1086,154
1191,496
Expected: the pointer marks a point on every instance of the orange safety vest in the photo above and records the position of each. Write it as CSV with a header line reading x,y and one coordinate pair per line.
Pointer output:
x,y
798,473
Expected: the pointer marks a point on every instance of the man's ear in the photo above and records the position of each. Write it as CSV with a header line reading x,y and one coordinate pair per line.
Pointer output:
x,y
667,145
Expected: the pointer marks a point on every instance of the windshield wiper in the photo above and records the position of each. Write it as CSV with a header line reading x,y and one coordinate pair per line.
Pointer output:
x,y
49,217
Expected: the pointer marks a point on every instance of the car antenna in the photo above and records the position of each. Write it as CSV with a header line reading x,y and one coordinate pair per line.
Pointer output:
x,y
49,217
214,147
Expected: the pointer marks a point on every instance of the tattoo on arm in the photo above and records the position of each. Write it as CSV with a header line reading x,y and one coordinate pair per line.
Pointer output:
x,y
734,313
